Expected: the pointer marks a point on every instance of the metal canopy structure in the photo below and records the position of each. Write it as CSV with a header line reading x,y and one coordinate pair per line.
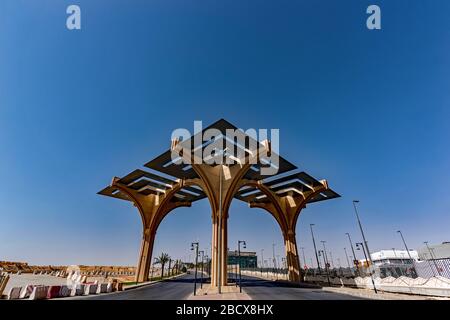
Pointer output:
x,y
164,163
167,184
146,183
298,183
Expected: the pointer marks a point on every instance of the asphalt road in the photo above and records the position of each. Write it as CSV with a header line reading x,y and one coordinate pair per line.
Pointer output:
x,y
174,289
259,289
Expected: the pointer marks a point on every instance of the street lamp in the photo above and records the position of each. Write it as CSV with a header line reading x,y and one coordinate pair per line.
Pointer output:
x,y
244,245
409,254
304,259
358,245
346,256
326,266
201,273
432,258
262,260
153,267
353,251
194,246
325,251
362,232
314,243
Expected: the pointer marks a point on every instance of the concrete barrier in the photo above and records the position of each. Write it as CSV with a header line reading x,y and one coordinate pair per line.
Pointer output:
x,y
39,292
90,289
53,292
27,291
14,293
64,291
102,288
77,290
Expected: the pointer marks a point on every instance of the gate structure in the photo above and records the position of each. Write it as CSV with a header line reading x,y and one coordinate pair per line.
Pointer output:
x,y
283,194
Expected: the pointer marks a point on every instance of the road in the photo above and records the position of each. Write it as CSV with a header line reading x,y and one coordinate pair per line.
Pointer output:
x,y
174,289
259,289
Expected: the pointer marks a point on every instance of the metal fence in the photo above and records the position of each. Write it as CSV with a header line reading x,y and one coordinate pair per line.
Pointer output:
x,y
433,267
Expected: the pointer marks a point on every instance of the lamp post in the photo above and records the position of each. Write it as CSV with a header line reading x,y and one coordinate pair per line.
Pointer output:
x,y
194,246
346,256
244,245
314,243
353,251
262,260
407,250
432,258
201,273
153,267
325,251
326,266
331,260
358,244
304,259
362,232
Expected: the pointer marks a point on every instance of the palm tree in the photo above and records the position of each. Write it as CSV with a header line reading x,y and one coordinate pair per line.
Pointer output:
x,y
163,259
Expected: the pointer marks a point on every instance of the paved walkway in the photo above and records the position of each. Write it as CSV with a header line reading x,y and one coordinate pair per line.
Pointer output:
x,y
370,294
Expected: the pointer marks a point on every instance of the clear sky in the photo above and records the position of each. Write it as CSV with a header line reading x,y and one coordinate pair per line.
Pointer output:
x,y
367,110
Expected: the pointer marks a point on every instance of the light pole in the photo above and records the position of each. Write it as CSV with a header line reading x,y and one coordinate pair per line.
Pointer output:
x,y
326,266
201,273
304,259
194,246
346,256
262,260
353,251
244,245
273,256
362,232
331,260
432,258
407,250
314,243
153,267
325,251
370,273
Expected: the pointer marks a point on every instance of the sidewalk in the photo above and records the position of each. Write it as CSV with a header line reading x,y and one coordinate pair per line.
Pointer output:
x,y
370,294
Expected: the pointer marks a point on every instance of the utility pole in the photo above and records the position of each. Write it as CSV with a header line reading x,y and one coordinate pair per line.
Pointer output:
x,y
325,251
262,260
432,258
353,250
370,273
239,261
409,254
314,243
194,246
362,232
326,266
201,273
304,259
346,256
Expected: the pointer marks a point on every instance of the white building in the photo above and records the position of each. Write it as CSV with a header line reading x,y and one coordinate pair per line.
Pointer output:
x,y
393,256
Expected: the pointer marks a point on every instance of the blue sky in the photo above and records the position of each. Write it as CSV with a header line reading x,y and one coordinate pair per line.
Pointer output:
x,y
367,110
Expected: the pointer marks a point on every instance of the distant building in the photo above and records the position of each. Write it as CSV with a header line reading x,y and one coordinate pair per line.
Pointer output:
x,y
438,251
393,262
394,256
248,259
